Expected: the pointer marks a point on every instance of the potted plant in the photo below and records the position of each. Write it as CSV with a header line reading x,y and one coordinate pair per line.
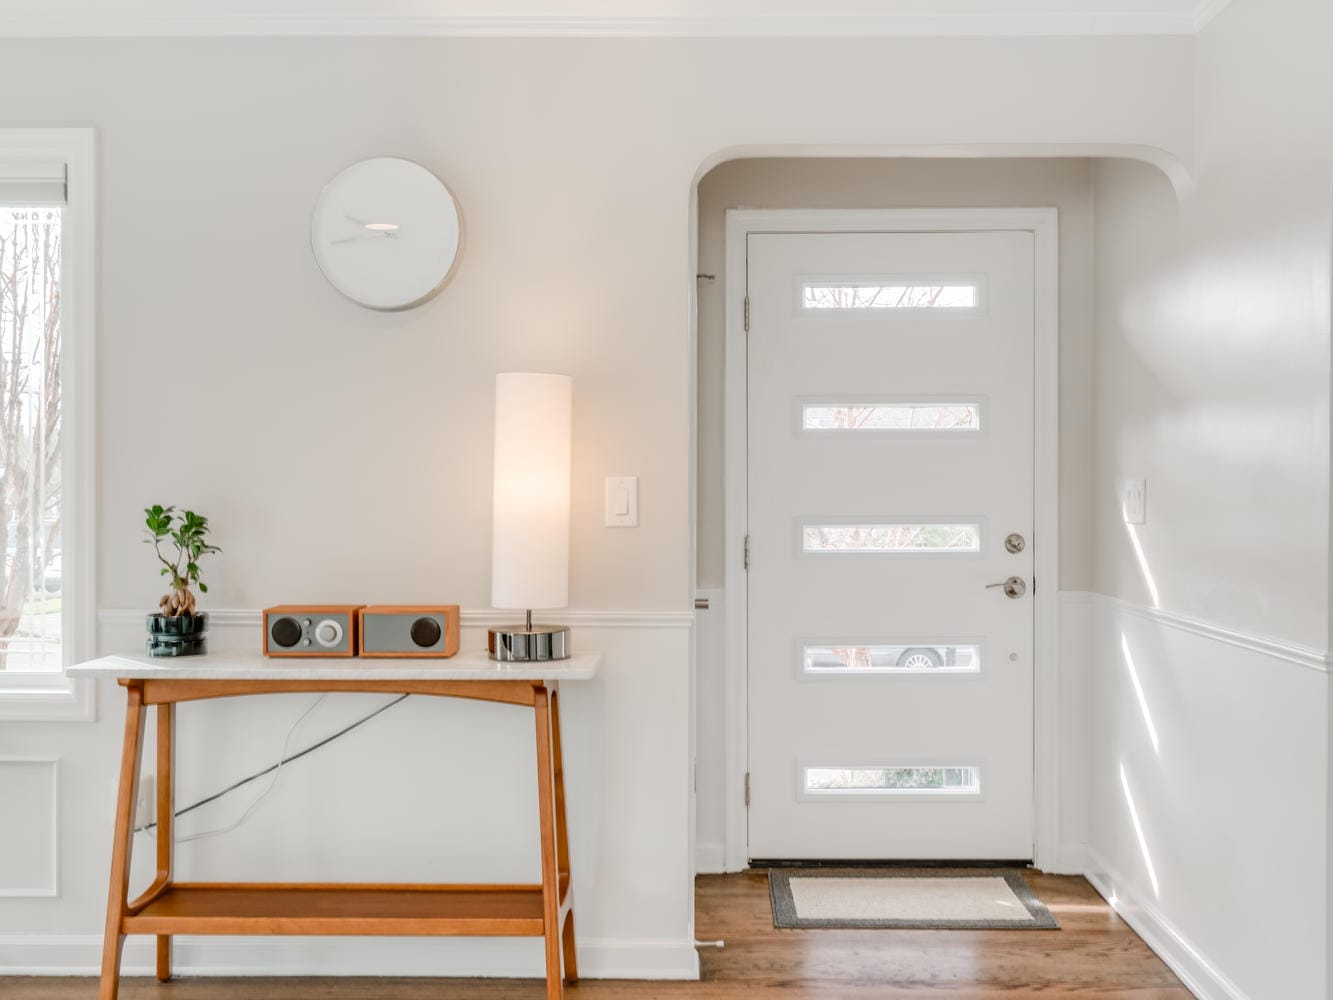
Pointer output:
x,y
178,629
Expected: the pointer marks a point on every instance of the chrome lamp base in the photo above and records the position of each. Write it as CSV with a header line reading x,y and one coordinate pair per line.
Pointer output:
x,y
527,642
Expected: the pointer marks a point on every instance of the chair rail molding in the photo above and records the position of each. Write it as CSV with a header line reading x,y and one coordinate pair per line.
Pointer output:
x,y
470,618
1278,649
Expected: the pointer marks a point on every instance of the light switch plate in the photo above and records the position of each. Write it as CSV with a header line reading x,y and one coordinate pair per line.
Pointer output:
x,y
622,501
1134,501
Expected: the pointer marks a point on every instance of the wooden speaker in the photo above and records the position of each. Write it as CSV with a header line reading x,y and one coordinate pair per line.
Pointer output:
x,y
393,630
311,630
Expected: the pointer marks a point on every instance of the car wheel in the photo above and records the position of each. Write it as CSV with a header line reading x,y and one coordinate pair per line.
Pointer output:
x,y
920,658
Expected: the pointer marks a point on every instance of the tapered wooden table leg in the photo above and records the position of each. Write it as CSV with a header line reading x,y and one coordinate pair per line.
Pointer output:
x,y
562,846
550,871
118,895
166,833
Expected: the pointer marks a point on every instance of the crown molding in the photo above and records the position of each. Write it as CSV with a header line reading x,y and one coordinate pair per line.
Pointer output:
x,y
104,25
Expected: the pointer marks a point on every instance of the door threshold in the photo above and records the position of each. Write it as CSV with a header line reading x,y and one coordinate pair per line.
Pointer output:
x,y
889,863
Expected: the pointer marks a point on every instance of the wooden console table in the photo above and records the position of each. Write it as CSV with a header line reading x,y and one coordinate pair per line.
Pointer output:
x,y
169,907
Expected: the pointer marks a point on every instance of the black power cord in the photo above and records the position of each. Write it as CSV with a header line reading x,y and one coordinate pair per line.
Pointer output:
x,y
286,760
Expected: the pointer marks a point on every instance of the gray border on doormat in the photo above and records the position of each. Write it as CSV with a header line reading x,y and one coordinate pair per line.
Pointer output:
x,y
784,907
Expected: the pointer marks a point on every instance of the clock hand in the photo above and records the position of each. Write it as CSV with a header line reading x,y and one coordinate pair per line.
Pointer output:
x,y
362,239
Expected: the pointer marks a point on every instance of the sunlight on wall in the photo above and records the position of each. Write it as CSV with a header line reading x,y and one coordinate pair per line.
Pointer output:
x,y
1138,691
1143,566
1138,831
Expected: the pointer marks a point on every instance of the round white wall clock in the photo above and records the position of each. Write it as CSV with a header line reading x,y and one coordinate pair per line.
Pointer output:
x,y
386,233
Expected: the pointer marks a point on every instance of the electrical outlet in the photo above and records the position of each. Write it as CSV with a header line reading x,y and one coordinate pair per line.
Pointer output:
x,y
145,807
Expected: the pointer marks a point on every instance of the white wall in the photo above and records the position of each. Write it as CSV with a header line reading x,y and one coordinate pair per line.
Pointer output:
x,y
895,183
220,346
1211,373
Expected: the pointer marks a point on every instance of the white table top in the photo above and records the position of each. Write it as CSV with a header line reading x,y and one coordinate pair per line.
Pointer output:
x,y
252,666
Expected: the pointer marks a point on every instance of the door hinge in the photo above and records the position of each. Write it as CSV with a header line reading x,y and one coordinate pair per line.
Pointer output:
x,y
747,788
747,552
747,314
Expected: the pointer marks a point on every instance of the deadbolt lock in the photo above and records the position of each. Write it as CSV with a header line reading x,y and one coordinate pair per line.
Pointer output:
x,y
1015,543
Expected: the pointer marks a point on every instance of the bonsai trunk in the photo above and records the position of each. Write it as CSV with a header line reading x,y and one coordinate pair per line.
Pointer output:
x,y
179,602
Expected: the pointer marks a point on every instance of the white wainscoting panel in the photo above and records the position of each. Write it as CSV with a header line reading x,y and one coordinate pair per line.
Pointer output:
x,y
1208,798
1200,976
30,831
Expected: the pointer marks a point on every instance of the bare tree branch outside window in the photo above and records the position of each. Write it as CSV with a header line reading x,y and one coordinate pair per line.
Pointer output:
x,y
30,571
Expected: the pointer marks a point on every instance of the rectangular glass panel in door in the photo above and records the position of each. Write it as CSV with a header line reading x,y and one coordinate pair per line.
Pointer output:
x,y
890,416
878,533
864,659
897,781
894,536
911,292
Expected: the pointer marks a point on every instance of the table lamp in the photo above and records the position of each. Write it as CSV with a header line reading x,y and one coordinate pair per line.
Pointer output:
x,y
530,528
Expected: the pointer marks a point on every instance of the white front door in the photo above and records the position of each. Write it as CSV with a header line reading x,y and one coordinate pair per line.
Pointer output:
x,y
890,457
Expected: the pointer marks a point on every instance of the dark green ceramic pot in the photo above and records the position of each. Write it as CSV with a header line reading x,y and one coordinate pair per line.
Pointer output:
x,y
182,635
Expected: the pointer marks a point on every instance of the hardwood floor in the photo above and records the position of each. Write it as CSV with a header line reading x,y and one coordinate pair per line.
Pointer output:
x,y
1094,955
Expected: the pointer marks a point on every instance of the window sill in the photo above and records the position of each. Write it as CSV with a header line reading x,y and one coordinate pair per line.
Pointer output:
x,y
46,697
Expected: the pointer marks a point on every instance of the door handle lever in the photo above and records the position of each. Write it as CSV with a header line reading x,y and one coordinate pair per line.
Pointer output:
x,y
1014,587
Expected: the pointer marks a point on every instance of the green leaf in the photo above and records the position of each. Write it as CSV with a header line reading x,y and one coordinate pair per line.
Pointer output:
x,y
203,588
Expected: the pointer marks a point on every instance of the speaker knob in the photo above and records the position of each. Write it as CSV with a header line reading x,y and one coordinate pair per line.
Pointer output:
x,y
425,632
286,632
328,633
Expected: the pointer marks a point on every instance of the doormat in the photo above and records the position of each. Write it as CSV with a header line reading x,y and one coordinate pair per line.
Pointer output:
x,y
905,898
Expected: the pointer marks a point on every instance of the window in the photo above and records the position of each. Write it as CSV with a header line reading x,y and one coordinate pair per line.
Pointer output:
x,y
30,568
864,660
890,293
891,416
881,781
46,615
891,537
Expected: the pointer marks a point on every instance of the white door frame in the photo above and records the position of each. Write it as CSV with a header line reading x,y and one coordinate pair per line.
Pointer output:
x,y
1043,224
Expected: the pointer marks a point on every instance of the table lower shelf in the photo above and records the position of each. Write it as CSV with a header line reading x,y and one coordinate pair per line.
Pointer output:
x,y
396,910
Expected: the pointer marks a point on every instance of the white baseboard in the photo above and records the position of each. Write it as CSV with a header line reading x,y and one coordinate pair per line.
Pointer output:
x,y
645,958
710,858
599,958
1200,975
1071,859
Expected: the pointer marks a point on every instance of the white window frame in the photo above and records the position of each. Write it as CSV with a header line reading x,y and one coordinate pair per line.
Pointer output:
x,y
48,695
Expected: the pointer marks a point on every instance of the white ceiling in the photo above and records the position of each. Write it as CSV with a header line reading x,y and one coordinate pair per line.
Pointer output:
x,y
792,18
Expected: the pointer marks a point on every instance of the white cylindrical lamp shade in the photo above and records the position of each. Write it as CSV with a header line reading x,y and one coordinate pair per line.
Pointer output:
x,y
530,529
